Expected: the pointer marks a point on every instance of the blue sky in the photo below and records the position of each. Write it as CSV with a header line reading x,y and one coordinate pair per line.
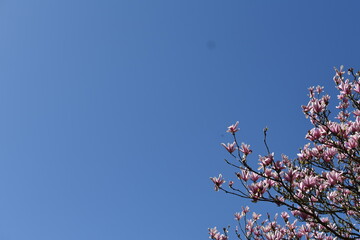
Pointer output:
x,y
112,112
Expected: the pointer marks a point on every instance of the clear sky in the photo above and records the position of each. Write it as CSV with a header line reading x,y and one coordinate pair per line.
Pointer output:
x,y
113,111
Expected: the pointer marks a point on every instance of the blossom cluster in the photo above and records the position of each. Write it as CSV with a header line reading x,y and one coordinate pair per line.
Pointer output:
x,y
214,234
320,188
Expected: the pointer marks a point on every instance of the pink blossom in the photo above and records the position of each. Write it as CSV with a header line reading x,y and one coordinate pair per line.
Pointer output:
x,y
218,181
257,190
356,112
332,196
357,87
317,106
329,154
345,87
213,232
268,172
333,177
301,214
245,148
291,175
319,89
352,143
285,216
274,236
278,165
285,159
230,147
267,160
254,176
334,127
223,237
233,128
238,216
244,175
306,109
338,76
245,210
325,99
314,134
256,216
310,181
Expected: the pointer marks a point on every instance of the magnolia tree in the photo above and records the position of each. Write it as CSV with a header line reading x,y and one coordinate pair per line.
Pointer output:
x,y
320,188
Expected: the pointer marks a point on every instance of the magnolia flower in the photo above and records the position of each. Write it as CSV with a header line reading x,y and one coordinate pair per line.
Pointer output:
x,y
218,181
233,128
213,232
238,216
345,87
338,75
285,216
245,148
352,143
319,89
333,177
244,175
230,147
317,106
300,214
357,87
310,181
245,210
313,134
256,216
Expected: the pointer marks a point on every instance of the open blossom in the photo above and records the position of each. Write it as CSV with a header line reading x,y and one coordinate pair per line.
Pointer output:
x,y
345,87
334,127
257,189
301,214
244,175
357,87
317,106
230,147
325,99
245,148
218,181
334,177
245,210
291,175
319,89
310,181
279,165
213,232
238,216
233,128
313,134
274,236
254,176
339,74
285,216
266,160
353,142
256,216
